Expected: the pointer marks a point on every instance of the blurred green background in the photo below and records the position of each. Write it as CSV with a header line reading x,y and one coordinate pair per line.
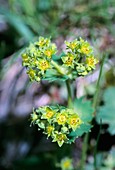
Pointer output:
x,y
22,21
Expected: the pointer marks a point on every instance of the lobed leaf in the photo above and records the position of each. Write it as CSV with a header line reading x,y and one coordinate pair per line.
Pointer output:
x,y
107,111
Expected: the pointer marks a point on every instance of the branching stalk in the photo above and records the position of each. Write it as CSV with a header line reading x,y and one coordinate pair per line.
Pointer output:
x,y
58,68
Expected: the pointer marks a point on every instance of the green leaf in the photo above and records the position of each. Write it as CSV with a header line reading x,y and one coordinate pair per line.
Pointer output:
x,y
28,7
53,75
84,109
107,111
84,128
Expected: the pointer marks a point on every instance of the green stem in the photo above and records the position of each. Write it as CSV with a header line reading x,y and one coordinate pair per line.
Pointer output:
x,y
84,151
58,68
95,150
95,99
95,102
70,103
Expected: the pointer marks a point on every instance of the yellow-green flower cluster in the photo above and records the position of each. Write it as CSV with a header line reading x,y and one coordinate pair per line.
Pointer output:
x,y
37,58
57,122
79,58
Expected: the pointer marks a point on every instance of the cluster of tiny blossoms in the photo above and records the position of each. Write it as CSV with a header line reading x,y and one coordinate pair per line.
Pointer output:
x,y
79,57
37,58
56,122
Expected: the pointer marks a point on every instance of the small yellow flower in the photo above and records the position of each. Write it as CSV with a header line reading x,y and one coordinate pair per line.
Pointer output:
x,y
74,121
61,118
48,113
43,64
68,60
72,45
60,138
42,42
25,59
85,49
48,53
91,61
66,164
31,73
49,130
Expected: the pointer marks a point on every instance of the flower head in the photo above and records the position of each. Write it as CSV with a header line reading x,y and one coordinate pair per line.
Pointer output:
x,y
25,59
74,121
43,64
72,45
32,73
68,59
49,51
37,58
56,122
61,118
42,42
66,164
85,48
48,113
91,62
49,130
60,138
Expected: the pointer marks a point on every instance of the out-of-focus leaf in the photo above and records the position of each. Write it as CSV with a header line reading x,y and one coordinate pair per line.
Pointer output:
x,y
18,23
84,109
28,6
107,112
44,5
109,94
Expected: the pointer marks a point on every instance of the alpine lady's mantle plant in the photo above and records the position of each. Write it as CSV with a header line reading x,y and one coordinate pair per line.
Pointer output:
x,y
62,124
